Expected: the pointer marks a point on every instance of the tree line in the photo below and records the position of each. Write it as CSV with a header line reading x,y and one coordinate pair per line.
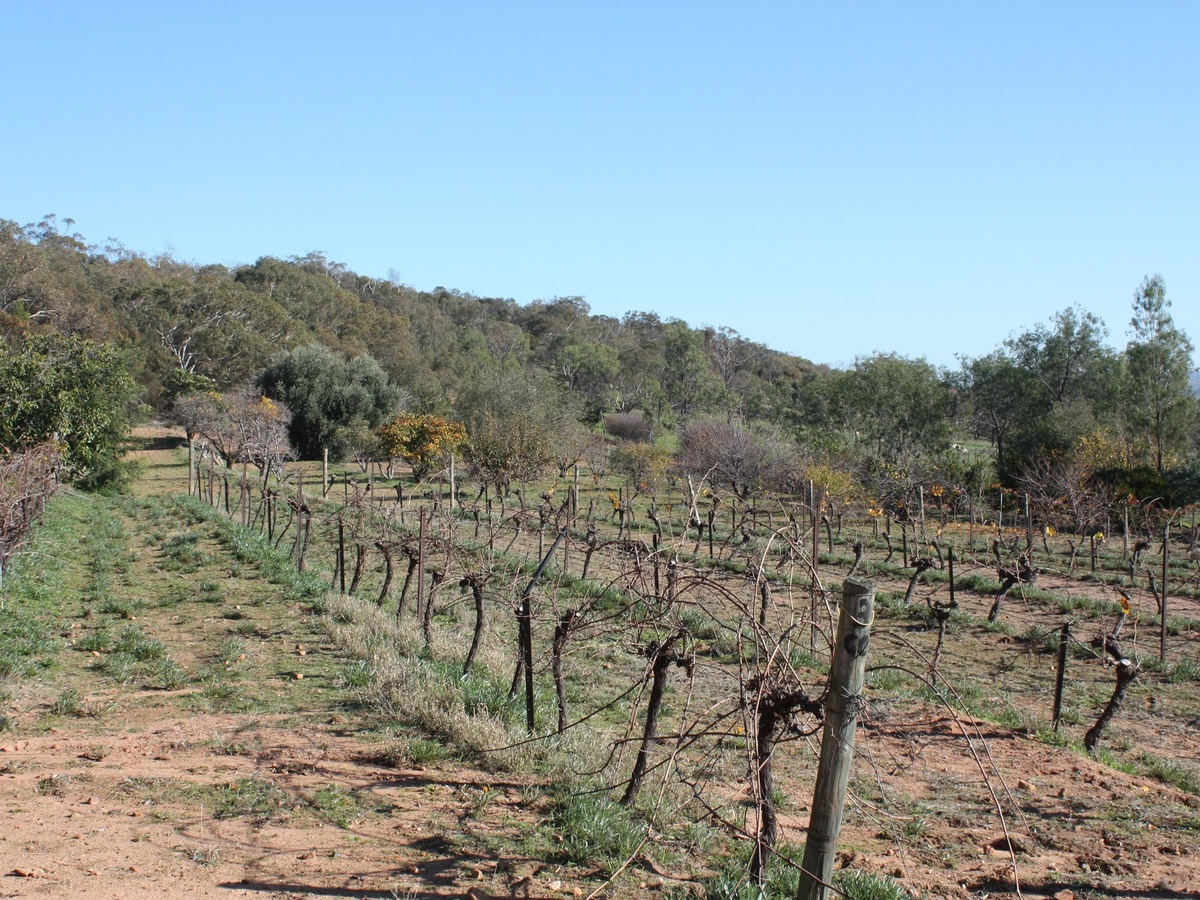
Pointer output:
x,y
342,355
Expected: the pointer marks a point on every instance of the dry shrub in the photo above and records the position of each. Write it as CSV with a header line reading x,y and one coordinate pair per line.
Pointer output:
x,y
628,426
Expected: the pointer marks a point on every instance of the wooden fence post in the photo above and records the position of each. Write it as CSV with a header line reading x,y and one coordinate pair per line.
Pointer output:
x,y
1166,553
846,675
1063,638
192,490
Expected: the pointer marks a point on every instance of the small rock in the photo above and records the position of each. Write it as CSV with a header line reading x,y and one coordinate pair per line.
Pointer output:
x,y
299,676
555,885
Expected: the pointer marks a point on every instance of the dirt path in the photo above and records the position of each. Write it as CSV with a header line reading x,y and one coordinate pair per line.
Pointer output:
x,y
249,772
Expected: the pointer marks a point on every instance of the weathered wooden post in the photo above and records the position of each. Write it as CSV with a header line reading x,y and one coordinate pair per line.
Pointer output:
x,y
1060,676
1166,553
299,546
921,509
192,488
846,675
1028,526
421,564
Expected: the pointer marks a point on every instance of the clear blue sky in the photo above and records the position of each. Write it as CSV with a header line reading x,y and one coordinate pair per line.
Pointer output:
x,y
831,179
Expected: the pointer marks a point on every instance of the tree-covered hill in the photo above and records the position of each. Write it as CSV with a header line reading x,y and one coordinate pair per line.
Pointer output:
x,y
1055,403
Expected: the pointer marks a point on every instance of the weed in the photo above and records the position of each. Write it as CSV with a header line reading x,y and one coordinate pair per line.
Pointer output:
x,y
248,798
122,609
52,785
98,641
702,627
203,856
478,799
782,878
1168,771
1184,670
69,703
134,642
865,886
336,805
595,830
422,751
169,676
231,652
889,679
120,667
357,674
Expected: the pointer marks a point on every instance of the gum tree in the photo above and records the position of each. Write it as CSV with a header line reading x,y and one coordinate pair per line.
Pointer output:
x,y
1158,359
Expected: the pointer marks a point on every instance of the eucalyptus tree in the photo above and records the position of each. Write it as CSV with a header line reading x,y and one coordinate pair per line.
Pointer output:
x,y
1159,400
897,405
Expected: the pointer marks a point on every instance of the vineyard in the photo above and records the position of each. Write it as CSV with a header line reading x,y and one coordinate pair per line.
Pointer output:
x,y
592,686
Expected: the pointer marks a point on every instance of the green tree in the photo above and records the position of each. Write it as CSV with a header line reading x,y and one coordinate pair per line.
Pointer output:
x,y
590,370
689,384
1044,390
212,327
514,419
896,404
325,393
1005,400
1063,359
1158,361
74,392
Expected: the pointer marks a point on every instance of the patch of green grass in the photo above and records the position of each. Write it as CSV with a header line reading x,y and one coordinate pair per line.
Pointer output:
x,y
357,674
120,667
256,799
98,641
337,806
137,644
595,830
169,676
1171,772
69,703
182,553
